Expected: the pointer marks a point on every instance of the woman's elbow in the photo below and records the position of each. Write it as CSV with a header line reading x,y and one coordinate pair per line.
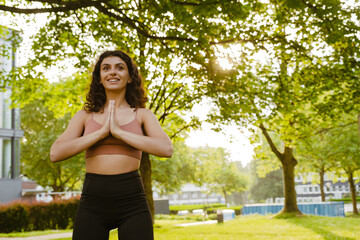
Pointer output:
x,y
168,151
54,156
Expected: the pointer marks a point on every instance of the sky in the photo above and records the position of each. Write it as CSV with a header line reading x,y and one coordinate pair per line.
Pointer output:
x,y
235,141
237,144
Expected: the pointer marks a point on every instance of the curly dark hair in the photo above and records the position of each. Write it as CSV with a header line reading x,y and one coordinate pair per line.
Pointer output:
x,y
134,95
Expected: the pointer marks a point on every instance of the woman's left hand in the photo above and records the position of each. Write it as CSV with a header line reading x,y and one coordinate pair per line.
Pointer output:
x,y
115,129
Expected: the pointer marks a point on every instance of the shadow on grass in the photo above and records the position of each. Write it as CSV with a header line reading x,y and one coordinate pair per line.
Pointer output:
x,y
312,223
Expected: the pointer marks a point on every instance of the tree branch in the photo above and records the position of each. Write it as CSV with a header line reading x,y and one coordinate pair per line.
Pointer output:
x,y
335,127
132,24
271,143
66,7
195,4
182,129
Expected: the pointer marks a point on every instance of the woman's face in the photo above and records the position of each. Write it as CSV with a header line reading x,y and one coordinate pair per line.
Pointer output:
x,y
114,73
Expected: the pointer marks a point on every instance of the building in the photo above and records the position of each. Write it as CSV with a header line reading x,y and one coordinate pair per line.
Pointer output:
x,y
308,192
191,194
10,132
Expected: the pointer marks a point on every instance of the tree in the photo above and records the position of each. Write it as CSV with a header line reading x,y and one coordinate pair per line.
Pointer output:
x,y
316,154
294,81
268,186
41,129
228,180
347,143
217,173
169,175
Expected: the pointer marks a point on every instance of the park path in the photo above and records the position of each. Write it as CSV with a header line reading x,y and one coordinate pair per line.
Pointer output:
x,y
41,237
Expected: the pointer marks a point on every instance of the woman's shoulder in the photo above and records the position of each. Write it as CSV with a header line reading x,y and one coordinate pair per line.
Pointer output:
x,y
144,113
81,116
82,113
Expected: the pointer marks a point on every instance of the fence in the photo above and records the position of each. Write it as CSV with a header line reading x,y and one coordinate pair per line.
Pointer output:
x,y
331,209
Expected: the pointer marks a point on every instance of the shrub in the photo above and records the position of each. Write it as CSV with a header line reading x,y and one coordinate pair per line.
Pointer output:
x,y
13,217
22,216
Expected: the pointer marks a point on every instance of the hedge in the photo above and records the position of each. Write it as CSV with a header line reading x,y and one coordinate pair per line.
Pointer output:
x,y
345,200
23,216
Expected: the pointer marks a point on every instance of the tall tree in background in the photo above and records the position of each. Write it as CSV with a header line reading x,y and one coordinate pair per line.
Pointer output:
x,y
347,143
41,129
169,175
315,154
296,83
264,186
216,172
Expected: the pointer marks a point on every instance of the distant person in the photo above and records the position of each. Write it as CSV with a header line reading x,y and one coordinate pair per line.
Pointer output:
x,y
113,128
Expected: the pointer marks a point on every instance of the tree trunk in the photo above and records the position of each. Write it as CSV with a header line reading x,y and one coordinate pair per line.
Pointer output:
x,y
288,164
322,173
353,192
145,170
226,197
359,124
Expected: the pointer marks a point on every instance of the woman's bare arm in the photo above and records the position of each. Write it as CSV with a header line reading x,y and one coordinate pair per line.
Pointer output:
x,y
156,141
71,142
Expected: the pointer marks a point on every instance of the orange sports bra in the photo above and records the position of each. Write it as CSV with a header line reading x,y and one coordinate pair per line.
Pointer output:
x,y
110,144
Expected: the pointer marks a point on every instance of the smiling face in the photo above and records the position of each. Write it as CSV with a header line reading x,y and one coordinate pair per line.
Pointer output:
x,y
114,73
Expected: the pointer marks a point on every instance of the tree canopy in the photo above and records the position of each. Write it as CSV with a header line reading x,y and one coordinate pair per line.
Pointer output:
x,y
291,64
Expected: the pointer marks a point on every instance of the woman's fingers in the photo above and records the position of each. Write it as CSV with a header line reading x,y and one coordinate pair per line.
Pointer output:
x,y
114,127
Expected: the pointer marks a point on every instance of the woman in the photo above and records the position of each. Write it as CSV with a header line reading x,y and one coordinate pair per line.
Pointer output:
x,y
114,128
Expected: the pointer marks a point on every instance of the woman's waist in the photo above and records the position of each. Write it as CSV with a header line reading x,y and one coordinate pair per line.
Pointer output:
x,y
112,185
111,164
111,149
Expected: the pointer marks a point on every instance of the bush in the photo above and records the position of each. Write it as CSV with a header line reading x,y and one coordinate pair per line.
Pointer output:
x,y
13,217
345,200
22,216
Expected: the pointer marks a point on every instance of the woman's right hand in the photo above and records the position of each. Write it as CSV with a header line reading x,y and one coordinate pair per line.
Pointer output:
x,y
105,129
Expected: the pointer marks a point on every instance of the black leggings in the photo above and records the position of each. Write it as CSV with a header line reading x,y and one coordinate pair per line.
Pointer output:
x,y
113,201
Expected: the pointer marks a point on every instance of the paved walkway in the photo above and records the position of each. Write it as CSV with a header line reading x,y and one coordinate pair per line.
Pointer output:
x,y
41,237
196,223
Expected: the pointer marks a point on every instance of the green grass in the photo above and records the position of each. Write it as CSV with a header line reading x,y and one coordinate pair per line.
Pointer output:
x,y
260,227
257,227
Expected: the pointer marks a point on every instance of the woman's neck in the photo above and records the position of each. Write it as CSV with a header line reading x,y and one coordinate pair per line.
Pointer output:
x,y
120,101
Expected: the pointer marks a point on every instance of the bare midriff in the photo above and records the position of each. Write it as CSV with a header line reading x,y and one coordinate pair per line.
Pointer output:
x,y
111,164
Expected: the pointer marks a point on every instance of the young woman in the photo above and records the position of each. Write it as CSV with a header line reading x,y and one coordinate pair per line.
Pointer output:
x,y
113,128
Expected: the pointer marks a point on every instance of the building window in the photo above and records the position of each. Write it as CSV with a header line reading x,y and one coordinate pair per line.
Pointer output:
x,y
310,189
5,156
10,131
194,195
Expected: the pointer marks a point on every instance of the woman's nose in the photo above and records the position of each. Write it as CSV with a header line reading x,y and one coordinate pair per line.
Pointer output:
x,y
112,72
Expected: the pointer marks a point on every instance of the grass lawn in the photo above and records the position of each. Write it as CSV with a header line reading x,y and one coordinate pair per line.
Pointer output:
x,y
260,227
